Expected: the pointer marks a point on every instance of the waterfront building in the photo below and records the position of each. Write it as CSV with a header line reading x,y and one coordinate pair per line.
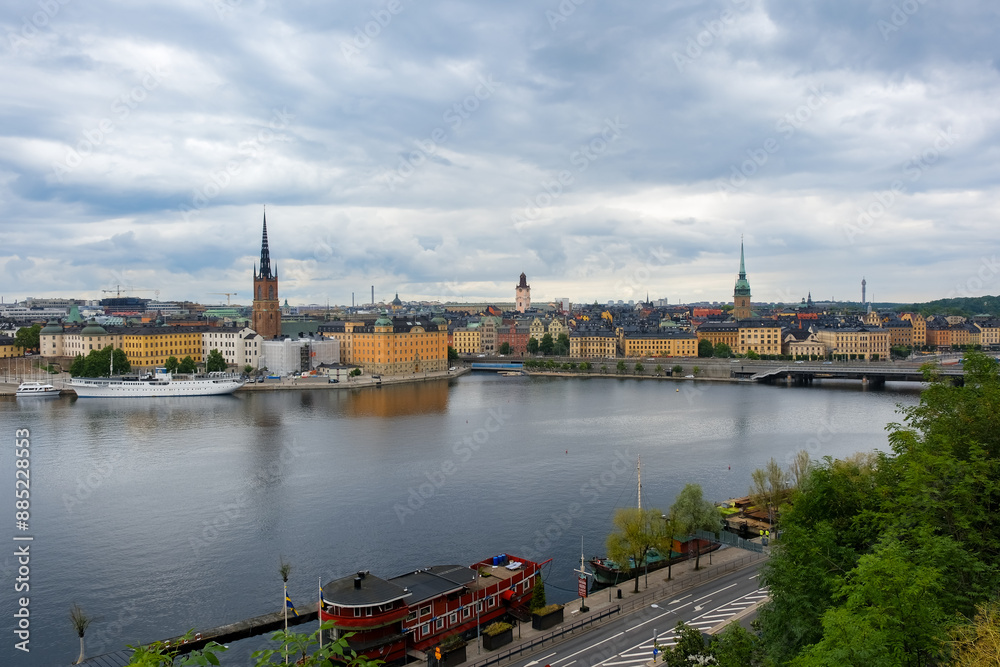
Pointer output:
x,y
296,355
488,334
900,332
720,332
266,319
57,340
658,343
919,328
522,295
8,348
239,347
343,332
761,336
593,344
989,333
870,344
465,339
741,293
150,347
516,335
802,344
402,345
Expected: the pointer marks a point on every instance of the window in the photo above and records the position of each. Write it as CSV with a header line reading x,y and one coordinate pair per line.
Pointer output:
x,y
439,623
425,611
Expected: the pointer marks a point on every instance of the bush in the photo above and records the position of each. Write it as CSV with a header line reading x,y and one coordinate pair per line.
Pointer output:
x,y
497,628
549,609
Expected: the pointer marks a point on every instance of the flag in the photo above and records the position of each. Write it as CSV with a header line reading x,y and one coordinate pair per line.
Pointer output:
x,y
289,605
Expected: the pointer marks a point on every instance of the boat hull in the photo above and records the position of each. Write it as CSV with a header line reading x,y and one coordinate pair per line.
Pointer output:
x,y
114,388
36,390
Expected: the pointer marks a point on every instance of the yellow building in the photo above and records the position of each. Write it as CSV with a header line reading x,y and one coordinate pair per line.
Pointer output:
x,y
8,348
343,332
55,340
399,347
720,332
150,347
989,333
802,345
466,340
593,345
919,328
659,344
900,332
763,337
856,342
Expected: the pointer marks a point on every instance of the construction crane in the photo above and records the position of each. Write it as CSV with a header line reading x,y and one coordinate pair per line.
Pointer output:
x,y
228,294
119,289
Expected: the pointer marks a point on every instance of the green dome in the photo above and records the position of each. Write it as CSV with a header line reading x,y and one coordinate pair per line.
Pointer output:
x,y
53,327
383,320
93,329
439,320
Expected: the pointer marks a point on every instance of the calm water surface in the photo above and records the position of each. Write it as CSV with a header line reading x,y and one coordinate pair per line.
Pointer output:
x,y
159,515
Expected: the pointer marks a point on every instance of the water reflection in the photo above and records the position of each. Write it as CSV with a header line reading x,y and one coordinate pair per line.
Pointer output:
x,y
400,400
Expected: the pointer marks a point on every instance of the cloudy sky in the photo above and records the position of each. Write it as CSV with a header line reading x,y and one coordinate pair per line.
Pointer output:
x,y
439,149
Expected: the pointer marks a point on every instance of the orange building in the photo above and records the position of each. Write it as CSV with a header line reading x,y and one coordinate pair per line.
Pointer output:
x,y
399,347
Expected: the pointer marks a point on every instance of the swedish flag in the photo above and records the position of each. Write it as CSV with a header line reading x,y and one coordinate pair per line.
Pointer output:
x,y
289,605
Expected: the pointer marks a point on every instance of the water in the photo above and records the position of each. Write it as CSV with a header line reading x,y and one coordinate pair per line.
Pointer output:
x,y
159,515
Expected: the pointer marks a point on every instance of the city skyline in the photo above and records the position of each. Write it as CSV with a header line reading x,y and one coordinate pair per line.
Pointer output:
x,y
437,152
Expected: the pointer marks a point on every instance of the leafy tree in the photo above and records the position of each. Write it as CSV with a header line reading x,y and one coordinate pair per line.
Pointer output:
x,y
158,654
659,369
306,647
737,647
696,370
561,347
636,532
452,353
79,366
187,365
689,650
676,369
604,368
639,368
722,350
97,363
248,369
171,364
27,338
532,347
705,348
692,512
215,362
751,354
547,345
621,367
504,348
976,643
585,366
537,595
768,486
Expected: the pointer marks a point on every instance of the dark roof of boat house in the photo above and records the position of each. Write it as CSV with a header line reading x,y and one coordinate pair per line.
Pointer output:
x,y
371,591
434,581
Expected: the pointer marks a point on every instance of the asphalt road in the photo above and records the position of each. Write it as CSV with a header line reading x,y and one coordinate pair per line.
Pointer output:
x,y
628,640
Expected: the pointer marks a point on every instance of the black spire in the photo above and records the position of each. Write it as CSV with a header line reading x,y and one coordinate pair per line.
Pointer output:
x,y
265,256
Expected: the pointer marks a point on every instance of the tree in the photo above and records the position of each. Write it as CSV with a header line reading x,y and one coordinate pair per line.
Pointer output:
x,y
676,369
695,371
689,650
585,366
158,654
305,646
27,338
639,368
97,363
976,643
452,353
736,647
722,350
705,348
621,367
248,369
537,595
504,348
636,532
561,347
355,372
187,365
547,345
659,369
692,513
79,366
532,347
768,487
751,354
171,364
215,362
81,621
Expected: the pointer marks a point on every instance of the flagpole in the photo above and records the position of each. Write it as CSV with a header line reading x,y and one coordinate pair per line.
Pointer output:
x,y
284,605
319,611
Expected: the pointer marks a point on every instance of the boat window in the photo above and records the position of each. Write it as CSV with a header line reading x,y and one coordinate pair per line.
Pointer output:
x,y
424,611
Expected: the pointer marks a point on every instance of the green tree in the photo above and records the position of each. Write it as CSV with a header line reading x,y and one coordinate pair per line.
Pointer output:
x,y
215,362
586,366
248,369
78,368
659,369
705,348
639,368
636,531
504,348
355,372
737,647
547,345
695,371
752,355
722,350
692,512
621,367
537,595
27,338
768,486
561,347
158,654
532,346
452,353
676,369
187,365
171,364
689,649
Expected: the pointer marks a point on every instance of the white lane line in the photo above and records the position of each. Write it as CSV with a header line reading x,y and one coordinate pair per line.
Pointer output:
x,y
713,593
587,648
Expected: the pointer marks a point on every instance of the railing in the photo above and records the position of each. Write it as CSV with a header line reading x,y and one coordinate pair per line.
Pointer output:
x,y
550,637
731,539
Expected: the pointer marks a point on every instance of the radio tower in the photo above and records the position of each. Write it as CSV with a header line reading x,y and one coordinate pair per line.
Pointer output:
x,y
863,283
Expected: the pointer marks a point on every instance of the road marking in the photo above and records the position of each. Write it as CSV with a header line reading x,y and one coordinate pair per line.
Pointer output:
x,y
535,662
587,648
714,592
679,599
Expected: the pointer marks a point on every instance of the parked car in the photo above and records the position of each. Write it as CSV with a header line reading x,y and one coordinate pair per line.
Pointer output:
x,y
333,380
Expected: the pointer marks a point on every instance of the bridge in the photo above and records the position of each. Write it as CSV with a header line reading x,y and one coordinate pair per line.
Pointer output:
x,y
875,374
497,366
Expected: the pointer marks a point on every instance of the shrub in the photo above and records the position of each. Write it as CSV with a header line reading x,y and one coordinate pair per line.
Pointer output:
x,y
497,628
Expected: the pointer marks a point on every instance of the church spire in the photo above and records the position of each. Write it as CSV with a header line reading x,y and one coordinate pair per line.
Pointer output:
x,y
743,271
265,255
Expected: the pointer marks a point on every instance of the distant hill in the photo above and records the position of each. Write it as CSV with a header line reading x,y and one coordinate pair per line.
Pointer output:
x,y
967,306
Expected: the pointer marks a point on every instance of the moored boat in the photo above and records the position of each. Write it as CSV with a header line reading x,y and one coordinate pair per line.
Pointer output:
x,y
160,383
42,389
412,613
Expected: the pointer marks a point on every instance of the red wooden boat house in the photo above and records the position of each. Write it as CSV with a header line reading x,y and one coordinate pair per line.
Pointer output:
x,y
415,611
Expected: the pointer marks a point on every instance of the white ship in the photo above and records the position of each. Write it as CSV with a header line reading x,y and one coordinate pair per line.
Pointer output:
x,y
36,389
160,383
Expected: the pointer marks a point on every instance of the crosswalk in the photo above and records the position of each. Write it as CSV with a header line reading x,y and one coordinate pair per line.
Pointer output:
x,y
642,653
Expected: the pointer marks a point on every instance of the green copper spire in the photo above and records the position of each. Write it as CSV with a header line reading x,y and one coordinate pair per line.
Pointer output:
x,y
742,286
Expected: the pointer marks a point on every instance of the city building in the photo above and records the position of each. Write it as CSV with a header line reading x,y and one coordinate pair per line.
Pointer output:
x,y
871,344
465,339
8,348
522,295
148,348
802,344
741,293
658,344
239,347
919,325
593,344
266,318
297,355
401,346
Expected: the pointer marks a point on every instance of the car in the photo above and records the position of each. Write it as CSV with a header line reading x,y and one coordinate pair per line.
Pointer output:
x,y
333,380
452,369
376,377
800,362
827,362
260,379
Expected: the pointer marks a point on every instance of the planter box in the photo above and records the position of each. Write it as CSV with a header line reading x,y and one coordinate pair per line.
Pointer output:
x,y
493,642
547,621
453,657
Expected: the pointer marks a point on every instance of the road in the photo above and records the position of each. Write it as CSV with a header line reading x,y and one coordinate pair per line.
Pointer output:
x,y
628,641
